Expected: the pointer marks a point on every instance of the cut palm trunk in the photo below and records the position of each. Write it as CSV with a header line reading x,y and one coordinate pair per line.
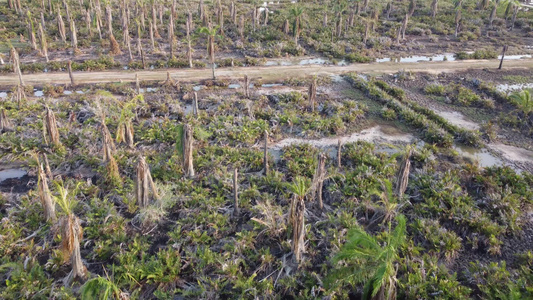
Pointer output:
x,y
265,154
298,228
5,125
312,94
51,134
44,45
236,210
187,151
70,75
403,175
45,195
72,234
145,189
318,180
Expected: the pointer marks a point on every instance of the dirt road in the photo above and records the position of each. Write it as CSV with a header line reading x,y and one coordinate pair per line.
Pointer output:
x,y
268,73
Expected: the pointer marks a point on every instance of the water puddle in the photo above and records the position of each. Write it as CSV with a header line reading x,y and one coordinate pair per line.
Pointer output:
x,y
234,86
513,87
418,58
12,174
270,85
67,93
458,119
304,62
37,93
515,57
482,156
3,94
148,90
383,133
197,88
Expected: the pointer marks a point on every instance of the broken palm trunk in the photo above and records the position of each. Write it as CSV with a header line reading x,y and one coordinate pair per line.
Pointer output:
x,y
298,227
144,184
339,154
403,175
318,180
16,65
69,66
195,104
236,210
265,154
246,86
5,125
45,196
51,134
72,234
18,95
109,149
312,94
187,140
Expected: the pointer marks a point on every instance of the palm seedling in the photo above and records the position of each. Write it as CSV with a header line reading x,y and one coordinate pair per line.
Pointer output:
x,y
71,233
144,184
299,188
364,259
389,206
211,34
523,101
50,132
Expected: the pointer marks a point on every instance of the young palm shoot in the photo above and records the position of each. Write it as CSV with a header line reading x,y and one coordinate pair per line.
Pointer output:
x,y
296,12
101,288
144,184
523,101
71,234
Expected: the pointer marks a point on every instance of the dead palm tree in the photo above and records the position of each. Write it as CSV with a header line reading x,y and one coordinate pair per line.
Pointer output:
x,y
5,125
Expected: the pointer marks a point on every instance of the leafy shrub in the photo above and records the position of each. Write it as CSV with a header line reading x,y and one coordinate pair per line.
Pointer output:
x,y
434,89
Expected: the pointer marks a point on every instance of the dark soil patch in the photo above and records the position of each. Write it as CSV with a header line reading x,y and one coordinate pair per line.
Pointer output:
x,y
18,185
